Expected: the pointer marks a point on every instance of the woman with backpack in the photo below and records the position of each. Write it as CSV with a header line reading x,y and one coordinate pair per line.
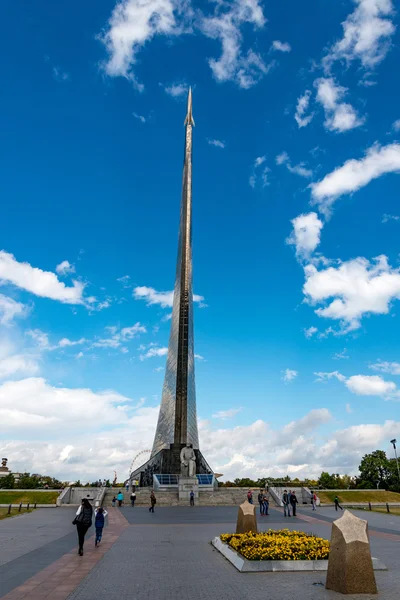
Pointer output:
x,y
83,520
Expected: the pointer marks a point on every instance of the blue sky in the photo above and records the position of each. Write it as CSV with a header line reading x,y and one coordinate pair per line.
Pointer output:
x,y
296,228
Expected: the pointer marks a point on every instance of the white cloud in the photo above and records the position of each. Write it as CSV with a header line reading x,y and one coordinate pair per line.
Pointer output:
x,y
65,268
9,309
125,281
301,108
199,357
38,282
176,90
60,75
154,352
18,364
159,369
341,355
363,385
386,218
225,25
217,143
339,116
227,414
135,22
306,234
396,125
370,385
348,409
289,375
164,299
281,46
260,160
64,342
259,175
310,331
40,338
366,34
355,174
300,169
386,367
357,288
321,376
79,355
119,336
140,118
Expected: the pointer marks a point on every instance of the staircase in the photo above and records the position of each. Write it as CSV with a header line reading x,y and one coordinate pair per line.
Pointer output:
x,y
219,497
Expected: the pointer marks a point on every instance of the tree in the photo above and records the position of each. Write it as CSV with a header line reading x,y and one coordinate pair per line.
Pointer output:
x,y
28,481
7,482
327,481
375,469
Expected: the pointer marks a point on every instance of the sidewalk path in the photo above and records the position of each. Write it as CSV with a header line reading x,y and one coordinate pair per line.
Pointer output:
x,y
169,555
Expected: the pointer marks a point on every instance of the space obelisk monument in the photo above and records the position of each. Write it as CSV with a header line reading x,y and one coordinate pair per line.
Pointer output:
x,y
177,420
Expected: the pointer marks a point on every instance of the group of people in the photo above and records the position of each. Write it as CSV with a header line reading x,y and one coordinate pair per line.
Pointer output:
x,y
83,521
290,501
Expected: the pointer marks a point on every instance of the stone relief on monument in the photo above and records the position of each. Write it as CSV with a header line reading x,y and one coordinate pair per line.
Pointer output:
x,y
188,461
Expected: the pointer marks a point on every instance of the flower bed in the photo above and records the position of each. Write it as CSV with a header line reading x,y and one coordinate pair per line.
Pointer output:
x,y
280,544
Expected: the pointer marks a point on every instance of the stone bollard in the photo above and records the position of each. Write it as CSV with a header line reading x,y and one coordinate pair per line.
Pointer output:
x,y
387,507
350,569
27,506
9,510
247,520
20,506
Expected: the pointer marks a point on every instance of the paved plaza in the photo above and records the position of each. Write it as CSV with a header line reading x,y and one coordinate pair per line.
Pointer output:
x,y
166,555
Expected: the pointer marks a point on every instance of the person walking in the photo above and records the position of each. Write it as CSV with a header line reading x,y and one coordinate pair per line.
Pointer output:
x,y
120,498
99,518
133,498
153,501
113,502
83,520
336,501
314,501
192,498
261,502
286,504
293,502
250,496
266,503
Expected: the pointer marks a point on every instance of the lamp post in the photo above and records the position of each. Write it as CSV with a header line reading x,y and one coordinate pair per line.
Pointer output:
x,y
394,442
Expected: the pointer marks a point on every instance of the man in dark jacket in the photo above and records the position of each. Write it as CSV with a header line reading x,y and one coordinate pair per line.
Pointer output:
x,y
152,501
261,502
286,503
293,502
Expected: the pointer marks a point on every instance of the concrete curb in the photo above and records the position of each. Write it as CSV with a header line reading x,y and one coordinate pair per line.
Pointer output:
x,y
251,566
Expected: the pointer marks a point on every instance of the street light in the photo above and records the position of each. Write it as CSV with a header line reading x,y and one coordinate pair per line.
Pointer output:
x,y
394,442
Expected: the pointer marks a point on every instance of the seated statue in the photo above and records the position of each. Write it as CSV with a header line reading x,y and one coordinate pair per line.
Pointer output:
x,y
188,461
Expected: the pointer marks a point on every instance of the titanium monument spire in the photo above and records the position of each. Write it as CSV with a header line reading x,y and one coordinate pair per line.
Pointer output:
x,y
177,421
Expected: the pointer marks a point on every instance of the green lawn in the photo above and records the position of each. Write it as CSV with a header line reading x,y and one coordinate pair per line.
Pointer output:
x,y
351,496
14,512
38,496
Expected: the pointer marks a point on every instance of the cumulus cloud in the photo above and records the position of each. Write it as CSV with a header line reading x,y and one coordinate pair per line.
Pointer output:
x,y
281,46
396,125
386,367
339,116
386,218
41,283
289,375
310,331
154,351
19,364
367,33
164,299
363,385
300,169
303,102
355,174
352,290
217,143
118,336
245,69
65,268
177,90
135,22
10,308
140,118
306,234
227,414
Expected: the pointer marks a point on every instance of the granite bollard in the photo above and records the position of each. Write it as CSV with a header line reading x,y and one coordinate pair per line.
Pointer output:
x,y
246,520
350,568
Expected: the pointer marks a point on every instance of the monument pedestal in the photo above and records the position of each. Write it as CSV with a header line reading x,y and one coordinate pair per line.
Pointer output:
x,y
187,485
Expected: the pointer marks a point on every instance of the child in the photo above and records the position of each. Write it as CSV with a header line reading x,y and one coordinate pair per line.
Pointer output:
x,y
113,501
99,516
